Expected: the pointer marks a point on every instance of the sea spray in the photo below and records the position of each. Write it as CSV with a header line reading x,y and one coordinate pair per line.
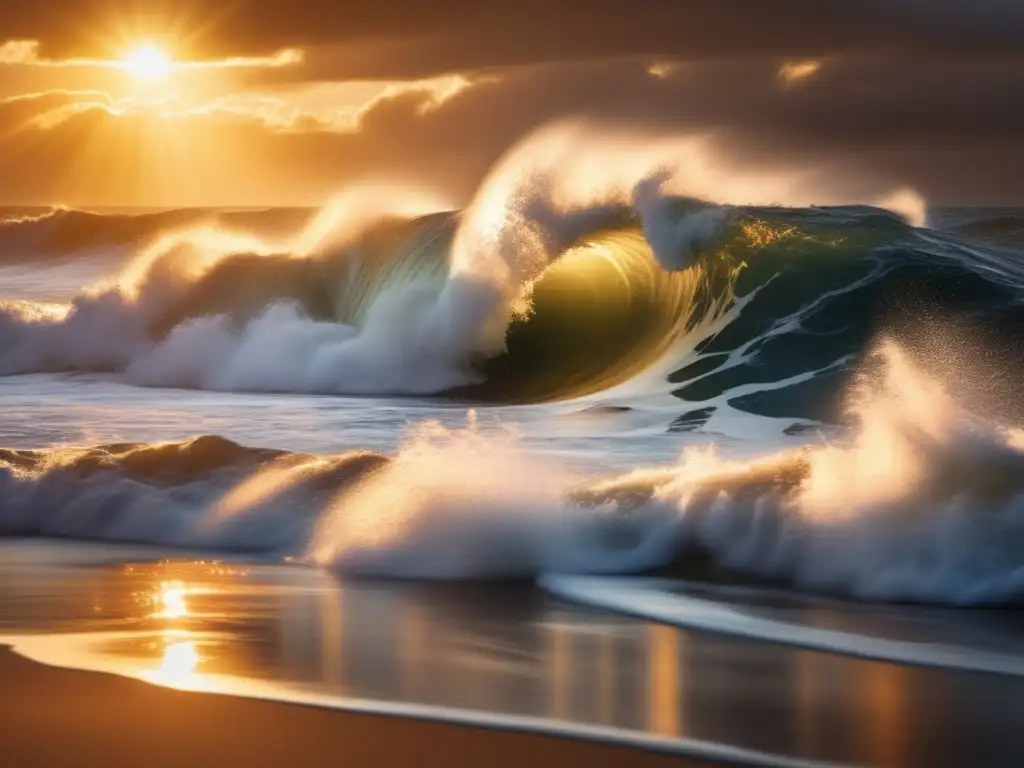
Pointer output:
x,y
923,502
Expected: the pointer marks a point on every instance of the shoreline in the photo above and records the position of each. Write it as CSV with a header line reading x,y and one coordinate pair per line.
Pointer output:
x,y
54,716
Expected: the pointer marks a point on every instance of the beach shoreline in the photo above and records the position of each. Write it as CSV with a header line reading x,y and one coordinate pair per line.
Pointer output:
x,y
51,716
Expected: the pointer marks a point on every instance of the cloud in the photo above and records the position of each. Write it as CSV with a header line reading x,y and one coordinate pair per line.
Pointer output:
x,y
331,109
26,53
34,110
286,57
864,122
406,39
794,71
51,119
32,99
19,52
47,110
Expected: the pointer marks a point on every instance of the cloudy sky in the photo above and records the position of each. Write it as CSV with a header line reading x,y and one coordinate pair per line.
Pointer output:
x,y
255,102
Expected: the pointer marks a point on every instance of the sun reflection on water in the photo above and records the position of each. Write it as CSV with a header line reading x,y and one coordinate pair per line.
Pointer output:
x,y
177,667
179,662
171,599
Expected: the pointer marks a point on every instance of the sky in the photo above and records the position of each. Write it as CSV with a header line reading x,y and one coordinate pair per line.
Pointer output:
x,y
261,102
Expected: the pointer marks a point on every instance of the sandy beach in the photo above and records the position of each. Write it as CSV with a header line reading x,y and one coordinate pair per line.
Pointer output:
x,y
56,717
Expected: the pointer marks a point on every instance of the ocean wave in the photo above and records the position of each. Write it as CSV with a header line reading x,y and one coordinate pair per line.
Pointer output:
x,y
1002,226
189,494
66,233
923,502
563,278
767,319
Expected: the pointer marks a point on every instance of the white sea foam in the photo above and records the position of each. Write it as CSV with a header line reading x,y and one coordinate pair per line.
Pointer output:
x,y
924,503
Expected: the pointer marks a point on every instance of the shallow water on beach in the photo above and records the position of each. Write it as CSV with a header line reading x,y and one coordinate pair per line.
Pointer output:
x,y
508,656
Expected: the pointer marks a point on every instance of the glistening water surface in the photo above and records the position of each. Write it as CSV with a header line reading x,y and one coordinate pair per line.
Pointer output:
x,y
508,653
610,369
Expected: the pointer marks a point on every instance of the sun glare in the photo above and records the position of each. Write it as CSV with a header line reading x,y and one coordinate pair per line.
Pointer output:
x,y
171,600
147,62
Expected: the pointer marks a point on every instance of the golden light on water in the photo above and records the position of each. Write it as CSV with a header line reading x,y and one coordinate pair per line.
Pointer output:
x,y
178,665
171,599
664,695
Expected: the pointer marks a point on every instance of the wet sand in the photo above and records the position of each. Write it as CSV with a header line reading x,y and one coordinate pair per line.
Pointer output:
x,y
57,717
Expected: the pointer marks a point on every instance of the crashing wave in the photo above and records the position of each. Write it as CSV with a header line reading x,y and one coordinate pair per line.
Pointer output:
x,y
923,502
571,272
552,286
787,296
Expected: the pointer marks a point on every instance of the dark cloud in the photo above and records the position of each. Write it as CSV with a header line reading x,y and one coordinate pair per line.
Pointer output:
x,y
391,38
917,92
950,127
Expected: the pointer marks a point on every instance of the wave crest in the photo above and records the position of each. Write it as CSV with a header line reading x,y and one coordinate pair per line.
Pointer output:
x,y
571,272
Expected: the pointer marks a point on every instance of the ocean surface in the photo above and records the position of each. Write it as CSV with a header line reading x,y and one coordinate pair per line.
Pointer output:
x,y
714,478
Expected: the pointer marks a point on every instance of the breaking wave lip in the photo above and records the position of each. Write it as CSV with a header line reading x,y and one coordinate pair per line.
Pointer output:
x,y
389,312
924,502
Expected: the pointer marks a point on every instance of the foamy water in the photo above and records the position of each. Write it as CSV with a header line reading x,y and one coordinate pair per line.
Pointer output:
x,y
616,360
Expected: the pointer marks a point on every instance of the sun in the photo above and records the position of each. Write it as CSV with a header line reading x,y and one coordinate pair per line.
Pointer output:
x,y
148,62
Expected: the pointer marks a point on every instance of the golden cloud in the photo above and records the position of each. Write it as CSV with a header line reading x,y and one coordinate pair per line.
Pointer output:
x,y
314,108
794,71
27,53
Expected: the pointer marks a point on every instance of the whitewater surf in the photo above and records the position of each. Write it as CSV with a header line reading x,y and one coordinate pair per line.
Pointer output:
x,y
673,320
